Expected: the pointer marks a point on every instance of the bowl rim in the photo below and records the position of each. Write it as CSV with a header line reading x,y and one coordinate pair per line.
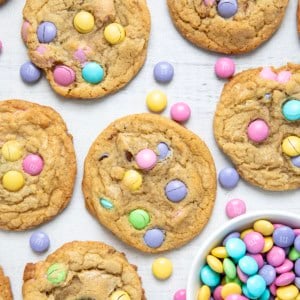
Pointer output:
x,y
240,221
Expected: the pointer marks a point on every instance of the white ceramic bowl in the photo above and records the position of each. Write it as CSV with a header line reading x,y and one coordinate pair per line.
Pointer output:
x,y
236,224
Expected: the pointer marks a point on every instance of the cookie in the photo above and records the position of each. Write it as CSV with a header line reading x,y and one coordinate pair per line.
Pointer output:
x,y
227,26
37,164
257,125
88,49
82,270
150,181
5,290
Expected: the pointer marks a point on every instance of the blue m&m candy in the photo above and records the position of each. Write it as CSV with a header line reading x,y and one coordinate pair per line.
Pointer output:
x,y
93,73
291,110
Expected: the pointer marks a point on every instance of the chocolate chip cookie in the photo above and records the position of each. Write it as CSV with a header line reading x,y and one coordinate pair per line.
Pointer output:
x,y
150,181
227,26
37,164
82,270
257,125
5,290
88,49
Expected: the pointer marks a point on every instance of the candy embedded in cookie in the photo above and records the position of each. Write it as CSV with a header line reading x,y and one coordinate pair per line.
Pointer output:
x,y
257,126
87,49
37,165
227,26
82,270
148,180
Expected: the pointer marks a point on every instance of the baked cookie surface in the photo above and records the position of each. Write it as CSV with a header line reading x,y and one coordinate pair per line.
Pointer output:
x,y
87,48
37,164
227,26
82,270
5,290
257,125
150,181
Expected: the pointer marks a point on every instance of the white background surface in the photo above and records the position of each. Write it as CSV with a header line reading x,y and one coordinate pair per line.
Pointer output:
x,y
194,82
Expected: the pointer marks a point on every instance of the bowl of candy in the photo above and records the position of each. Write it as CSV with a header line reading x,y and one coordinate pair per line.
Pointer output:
x,y
253,256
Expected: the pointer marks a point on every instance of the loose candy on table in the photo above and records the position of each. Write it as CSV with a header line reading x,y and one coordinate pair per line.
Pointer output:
x,y
30,73
180,295
156,101
39,242
162,268
180,112
163,72
235,208
228,178
224,67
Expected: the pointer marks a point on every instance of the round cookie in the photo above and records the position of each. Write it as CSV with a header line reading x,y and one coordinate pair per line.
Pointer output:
x,y
5,289
150,181
88,49
257,125
82,270
227,26
37,164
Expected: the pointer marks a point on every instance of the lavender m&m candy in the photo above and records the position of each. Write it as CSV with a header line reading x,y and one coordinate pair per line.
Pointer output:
x,y
39,241
297,243
296,161
163,72
283,236
229,178
268,273
154,238
230,236
63,75
176,190
297,267
46,32
163,150
33,164
29,72
227,8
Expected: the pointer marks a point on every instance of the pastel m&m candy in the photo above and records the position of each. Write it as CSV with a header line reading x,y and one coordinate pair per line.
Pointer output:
x,y
291,110
163,150
154,238
258,131
209,277
39,241
57,273
291,146
180,295
84,22
46,32
235,248
139,218
254,242
224,67
180,112
176,190
228,178
114,33
93,73
227,8
132,179
156,101
146,159
13,181
63,75
204,293
30,73
12,150
119,295
33,164
256,285
283,236
235,207
162,268
163,72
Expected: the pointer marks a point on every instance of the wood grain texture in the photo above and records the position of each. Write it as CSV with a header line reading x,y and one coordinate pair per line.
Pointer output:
x,y
194,82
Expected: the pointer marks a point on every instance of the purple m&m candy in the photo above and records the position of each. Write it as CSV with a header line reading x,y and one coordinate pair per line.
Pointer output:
x,y
163,72
39,241
268,273
46,32
163,150
283,236
176,190
230,236
227,8
297,282
296,161
29,72
297,243
229,178
297,267
154,238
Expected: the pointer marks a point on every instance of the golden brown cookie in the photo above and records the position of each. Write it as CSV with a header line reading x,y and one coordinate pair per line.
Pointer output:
x,y
88,49
150,181
257,125
37,164
5,290
227,26
82,270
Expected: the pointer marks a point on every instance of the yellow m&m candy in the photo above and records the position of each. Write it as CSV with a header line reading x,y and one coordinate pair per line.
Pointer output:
x,y
13,181
12,151
84,22
162,268
119,295
132,179
204,293
114,33
291,146
156,101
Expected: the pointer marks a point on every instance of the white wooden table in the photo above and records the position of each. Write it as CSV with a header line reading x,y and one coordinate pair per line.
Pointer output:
x,y
194,82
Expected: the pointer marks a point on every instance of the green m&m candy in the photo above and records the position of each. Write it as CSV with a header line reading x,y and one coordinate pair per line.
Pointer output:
x,y
139,219
57,273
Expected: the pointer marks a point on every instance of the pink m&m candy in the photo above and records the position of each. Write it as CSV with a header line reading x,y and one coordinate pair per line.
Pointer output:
x,y
180,295
276,256
33,164
235,207
254,242
63,75
180,112
224,67
235,297
258,131
146,159
285,279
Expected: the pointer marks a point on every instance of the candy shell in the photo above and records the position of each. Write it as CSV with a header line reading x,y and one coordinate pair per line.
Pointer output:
x,y
162,268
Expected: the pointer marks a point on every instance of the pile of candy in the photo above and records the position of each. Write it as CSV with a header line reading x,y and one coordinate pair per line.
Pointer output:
x,y
262,263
